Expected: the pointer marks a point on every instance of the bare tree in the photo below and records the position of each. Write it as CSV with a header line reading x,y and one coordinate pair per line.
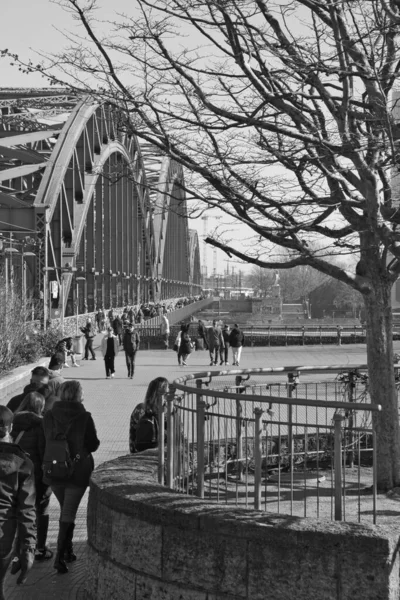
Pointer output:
x,y
282,114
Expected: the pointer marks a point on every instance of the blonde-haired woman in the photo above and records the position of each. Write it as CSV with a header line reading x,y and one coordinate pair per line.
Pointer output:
x,y
68,417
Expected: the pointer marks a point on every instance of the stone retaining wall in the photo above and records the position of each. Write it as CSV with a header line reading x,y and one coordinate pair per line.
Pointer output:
x,y
147,542
14,382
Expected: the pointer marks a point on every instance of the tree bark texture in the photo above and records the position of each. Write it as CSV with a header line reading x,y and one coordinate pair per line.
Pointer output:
x,y
382,383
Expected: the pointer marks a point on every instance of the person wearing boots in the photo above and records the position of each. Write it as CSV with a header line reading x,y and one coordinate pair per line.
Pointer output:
x,y
109,349
89,336
131,342
69,416
165,330
27,432
17,505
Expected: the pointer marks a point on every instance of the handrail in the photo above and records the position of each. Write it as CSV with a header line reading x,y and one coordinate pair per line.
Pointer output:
x,y
280,399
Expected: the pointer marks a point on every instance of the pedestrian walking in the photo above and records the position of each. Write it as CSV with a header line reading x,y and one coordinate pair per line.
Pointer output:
x,y
56,365
89,337
236,341
17,505
157,388
185,346
215,342
224,351
69,419
39,383
165,330
109,349
100,320
27,431
131,343
118,328
202,331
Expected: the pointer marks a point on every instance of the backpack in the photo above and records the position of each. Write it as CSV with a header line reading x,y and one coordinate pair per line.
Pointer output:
x,y
58,464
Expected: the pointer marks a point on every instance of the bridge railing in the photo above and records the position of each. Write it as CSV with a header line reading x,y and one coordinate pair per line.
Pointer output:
x,y
249,438
175,316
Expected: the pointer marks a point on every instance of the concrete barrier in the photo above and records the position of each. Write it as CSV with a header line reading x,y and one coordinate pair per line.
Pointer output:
x,y
147,542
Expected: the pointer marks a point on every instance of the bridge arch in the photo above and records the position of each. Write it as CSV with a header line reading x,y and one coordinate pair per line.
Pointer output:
x,y
110,215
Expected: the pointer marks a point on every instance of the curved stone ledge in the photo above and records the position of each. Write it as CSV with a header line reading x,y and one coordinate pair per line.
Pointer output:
x,y
149,543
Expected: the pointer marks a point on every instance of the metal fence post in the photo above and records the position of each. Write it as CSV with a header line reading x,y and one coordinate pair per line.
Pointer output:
x,y
257,457
338,466
170,437
290,436
200,413
161,437
239,439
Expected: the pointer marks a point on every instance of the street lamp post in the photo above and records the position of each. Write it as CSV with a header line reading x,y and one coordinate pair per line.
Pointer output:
x,y
78,279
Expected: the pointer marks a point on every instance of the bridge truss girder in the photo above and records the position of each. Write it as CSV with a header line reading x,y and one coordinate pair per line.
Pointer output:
x,y
112,231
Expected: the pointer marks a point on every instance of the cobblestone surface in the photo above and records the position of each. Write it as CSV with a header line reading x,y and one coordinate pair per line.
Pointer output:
x,y
111,403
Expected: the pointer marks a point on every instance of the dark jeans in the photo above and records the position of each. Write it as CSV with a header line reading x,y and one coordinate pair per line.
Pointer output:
x,y
43,493
214,354
109,362
223,353
130,363
89,348
69,498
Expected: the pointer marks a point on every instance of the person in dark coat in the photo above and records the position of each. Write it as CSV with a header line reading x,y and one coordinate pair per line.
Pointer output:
x,y
89,337
236,341
28,432
215,342
56,365
202,331
118,328
17,505
109,350
69,416
143,430
225,350
39,379
131,343
185,346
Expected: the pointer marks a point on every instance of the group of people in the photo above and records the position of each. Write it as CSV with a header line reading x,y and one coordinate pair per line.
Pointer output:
x,y
47,438
217,340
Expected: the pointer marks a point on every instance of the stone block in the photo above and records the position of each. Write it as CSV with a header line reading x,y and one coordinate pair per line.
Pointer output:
x,y
116,583
211,562
99,523
153,589
136,544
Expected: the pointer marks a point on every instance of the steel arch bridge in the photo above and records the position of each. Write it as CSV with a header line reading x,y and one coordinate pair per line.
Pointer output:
x,y
107,215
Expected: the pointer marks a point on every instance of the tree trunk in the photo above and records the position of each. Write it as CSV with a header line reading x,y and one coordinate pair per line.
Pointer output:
x,y
382,383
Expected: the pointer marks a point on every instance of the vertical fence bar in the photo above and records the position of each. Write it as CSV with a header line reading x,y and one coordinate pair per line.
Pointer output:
x,y
239,439
200,410
257,457
170,436
374,473
338,466
161,435
290,437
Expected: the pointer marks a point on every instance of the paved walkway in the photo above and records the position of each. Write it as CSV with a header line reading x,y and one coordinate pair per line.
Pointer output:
x,y
111,403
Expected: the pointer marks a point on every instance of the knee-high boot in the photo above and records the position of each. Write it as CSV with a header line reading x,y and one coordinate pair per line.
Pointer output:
x,y
59,562
42,525
69,553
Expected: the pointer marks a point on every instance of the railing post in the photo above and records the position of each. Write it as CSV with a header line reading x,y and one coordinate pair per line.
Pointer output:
x,y
257,457
303,334
337,464
320,334
290,435
286,335
161,437
239,439
200,414
170,437
269,335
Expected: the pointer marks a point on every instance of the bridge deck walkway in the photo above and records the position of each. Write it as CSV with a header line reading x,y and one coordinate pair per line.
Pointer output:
x,y
111,403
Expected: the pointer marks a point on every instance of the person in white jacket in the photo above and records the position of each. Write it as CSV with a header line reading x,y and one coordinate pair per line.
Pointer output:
x,y
109,349
165,330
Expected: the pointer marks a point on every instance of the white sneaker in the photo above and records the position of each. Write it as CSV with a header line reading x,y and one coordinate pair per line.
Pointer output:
x,y
66,366
75,365
112,375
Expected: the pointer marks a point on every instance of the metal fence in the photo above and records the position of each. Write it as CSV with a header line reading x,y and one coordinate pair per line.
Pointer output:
x,y
269,439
